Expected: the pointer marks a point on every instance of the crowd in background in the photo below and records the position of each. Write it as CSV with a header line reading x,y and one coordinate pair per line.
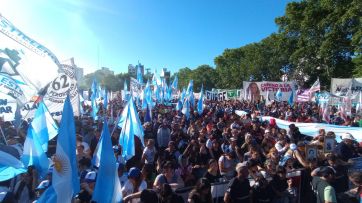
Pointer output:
x,y
251,155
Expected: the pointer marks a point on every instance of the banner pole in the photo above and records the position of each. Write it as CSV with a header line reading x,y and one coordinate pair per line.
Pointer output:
x,y
2,133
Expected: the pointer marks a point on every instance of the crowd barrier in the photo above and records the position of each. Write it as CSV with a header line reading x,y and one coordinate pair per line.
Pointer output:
x,y
218,189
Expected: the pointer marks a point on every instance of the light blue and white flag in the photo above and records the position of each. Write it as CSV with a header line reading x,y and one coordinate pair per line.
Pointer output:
x,y
131,126
190,88
139,74
8,159
175,83
186,108
65,183
94,89
279,95
192,100
108,187
179,105
94,109
183,94
105,100
17,117
291,99
148,116
44,127
33,154
156,80
200,106
10,165
126,138
125,87
97,153
157,93
9,172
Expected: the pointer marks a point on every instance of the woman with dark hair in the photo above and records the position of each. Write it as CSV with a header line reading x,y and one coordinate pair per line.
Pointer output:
x,y
201,193
167,195
168,176
212,174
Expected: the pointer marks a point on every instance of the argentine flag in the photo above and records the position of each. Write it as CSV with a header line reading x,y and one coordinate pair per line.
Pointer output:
x,y
34,154
108,187
131,126
65,183
44,126
200,107
186,108
279,95
10,166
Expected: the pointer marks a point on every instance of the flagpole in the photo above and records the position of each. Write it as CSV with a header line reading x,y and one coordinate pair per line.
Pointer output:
x,y
115,126
2,133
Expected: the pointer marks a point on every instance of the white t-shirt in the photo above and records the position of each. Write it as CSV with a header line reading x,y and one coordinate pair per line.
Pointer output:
x,y
149,154
227,163
123,179
121,160
128,187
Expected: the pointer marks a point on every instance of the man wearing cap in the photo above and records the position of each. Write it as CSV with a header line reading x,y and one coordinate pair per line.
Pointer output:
x,y
134,186
87,187
345,149
239,189
321,183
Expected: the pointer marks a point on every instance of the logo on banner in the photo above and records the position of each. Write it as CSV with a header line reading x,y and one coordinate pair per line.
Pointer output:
x,y
60,88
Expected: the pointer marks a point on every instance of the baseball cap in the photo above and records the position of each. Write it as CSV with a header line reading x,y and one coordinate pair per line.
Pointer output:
x,y
267,131
134,173
347,136
91,177
43,185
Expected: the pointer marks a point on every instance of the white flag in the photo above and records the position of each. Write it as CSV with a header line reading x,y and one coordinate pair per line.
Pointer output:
x,y
29,63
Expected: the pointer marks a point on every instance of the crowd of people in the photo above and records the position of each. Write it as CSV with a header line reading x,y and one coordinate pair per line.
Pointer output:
x,y
253,158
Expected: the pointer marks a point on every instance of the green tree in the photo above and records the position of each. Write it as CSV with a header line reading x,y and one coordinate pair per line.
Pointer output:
x,y
326,35
229,69
184,76
204,75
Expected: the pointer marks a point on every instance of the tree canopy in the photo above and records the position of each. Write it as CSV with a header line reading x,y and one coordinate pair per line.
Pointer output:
x,y
315,39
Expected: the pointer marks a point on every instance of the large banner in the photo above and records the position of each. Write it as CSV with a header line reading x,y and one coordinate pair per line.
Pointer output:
x,y
29,63
312,129
347,86
135,87
7,107
233,94
222,95
57,92
259,90
10,87
215,96
303,95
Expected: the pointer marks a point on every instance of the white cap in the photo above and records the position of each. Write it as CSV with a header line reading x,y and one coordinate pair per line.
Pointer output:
x,y
267,131
347,136
91,176
293,146
43,185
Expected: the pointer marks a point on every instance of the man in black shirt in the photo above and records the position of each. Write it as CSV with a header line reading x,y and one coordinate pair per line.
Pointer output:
x,y
239,190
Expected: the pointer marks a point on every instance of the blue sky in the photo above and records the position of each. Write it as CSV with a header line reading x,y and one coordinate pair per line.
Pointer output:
x,y
159,33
